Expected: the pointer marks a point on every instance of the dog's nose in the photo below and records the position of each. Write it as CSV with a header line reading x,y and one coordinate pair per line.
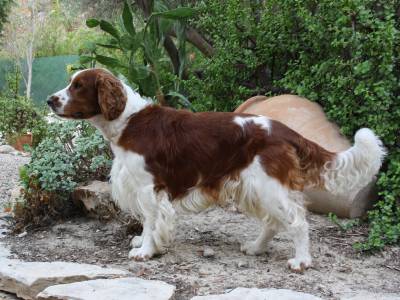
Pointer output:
x,y
51,100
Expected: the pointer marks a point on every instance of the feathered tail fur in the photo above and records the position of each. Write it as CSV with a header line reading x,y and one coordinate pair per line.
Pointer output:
x,y
353,169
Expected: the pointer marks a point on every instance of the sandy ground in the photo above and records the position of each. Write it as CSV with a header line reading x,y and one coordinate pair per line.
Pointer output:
x,y
337,269
9,165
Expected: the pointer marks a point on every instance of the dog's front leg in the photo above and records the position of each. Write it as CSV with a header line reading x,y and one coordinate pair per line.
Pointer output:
x,y
158,225
147,248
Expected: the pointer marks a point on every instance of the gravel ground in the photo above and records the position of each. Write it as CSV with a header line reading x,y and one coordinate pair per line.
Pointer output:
x,y
9,166
338,270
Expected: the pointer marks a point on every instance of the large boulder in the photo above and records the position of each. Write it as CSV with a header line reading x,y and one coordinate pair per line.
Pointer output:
x,y
308,119
96,198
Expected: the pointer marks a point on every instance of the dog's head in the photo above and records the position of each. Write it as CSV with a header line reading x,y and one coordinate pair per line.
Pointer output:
x,y
90,93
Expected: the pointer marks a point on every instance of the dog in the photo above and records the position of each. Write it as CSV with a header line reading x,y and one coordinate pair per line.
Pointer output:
x,y
169,160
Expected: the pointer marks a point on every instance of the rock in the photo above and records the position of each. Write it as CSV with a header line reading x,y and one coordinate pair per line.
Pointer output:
x,y
110,289
96,197
259,294
4,252
15,195
364,295
7,296
242,264
6,149
27,279
308,119
22,234
208,252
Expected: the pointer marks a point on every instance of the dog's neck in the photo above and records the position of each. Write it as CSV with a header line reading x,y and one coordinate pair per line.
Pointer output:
x,y
112,130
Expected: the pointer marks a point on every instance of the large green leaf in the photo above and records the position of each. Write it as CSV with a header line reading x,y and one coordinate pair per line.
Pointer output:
x,y
138,72
128,19
85,59
142,72
108,61
109,28
92,23
126,42
107,46
177,13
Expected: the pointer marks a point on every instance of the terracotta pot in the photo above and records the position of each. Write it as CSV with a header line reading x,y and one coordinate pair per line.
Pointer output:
x,y
20,141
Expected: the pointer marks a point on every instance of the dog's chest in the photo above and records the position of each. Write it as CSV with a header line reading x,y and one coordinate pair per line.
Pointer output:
x,y
129,178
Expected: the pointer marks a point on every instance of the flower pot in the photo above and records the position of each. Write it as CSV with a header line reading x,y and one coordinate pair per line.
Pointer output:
x,y
21,140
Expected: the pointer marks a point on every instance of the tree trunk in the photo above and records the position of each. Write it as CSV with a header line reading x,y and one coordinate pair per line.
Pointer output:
x,y
29,62
30,50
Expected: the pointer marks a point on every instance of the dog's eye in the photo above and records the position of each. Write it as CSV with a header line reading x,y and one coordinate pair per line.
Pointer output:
x,y
77,85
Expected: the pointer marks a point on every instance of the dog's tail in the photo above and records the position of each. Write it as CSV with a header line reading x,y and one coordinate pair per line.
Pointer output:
x,y
351,170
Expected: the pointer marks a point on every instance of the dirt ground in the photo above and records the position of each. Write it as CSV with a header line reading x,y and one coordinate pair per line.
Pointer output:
x,y
337,269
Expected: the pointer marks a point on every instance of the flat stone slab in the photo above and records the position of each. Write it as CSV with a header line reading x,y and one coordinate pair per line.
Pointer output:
x,y
259,294
372,296
27,279
110,289
5,149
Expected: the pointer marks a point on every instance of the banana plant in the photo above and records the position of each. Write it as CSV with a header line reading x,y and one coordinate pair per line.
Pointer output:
x,y
138,54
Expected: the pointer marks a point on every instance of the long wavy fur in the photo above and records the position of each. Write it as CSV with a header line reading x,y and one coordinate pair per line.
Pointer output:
x,y
353,169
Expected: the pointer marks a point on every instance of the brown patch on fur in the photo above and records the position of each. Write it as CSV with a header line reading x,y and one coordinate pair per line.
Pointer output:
x,y
184,150
112,98
93,92
292,159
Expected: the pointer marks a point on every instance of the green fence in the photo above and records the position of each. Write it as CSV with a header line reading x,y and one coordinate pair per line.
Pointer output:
x,y
49,75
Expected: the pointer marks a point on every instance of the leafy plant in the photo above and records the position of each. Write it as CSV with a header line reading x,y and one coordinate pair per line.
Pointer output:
x,y
344,226
139,54
71,153
342,54
19,116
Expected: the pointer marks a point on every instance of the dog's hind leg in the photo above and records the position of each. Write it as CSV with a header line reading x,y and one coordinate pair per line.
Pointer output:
x,y
265,198
269,229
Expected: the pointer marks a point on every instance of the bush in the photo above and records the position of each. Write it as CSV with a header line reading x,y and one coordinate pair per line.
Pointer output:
x,y
72,153
19,116
342,54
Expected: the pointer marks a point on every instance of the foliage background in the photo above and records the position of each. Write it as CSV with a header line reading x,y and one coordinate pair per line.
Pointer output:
x,y
341,54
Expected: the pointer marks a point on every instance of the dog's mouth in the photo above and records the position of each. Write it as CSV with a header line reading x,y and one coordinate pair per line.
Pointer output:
x,y
77,115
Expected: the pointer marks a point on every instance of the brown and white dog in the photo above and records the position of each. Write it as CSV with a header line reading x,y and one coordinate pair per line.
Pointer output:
x,y
167,159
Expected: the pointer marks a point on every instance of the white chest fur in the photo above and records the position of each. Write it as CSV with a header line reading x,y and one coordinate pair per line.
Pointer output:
x,y
132,185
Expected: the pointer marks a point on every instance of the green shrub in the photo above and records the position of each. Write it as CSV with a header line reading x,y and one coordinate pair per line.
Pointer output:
x,y
19,116
72,153
342,54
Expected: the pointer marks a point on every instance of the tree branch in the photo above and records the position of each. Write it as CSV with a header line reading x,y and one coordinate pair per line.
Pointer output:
x,y
197,40
192,35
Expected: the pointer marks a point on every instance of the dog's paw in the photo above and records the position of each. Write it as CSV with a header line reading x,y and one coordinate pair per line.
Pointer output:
x,y
299,265
141,254
251,248
137,241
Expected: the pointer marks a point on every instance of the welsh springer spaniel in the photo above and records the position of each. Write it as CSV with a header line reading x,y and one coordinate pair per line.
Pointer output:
x,y
167,159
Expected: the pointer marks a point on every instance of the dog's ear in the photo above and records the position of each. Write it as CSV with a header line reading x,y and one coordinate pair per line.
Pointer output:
x,y
111,95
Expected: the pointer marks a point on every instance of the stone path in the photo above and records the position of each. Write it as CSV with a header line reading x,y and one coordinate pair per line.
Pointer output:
x,y
109,289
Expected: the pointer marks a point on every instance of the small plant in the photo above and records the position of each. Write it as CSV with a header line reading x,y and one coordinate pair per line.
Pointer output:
x,y
72,153
19,116
344,226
